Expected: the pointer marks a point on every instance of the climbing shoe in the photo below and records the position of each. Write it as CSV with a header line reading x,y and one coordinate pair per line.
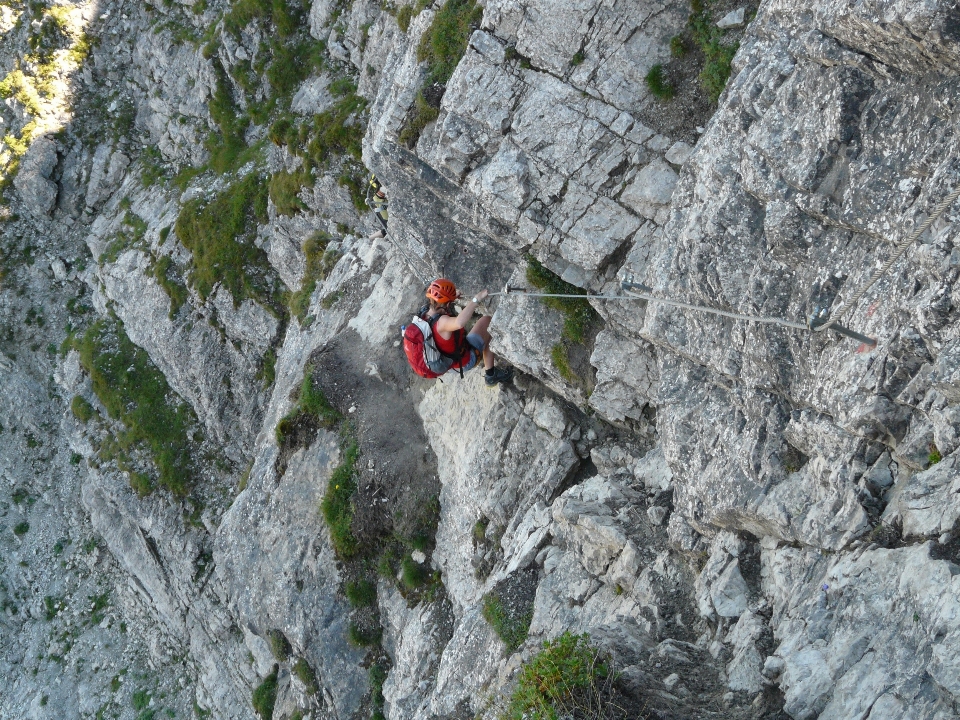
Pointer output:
x,y
499,375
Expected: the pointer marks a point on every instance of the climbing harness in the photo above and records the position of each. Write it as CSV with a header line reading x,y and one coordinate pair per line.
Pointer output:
x,y
638,291
821,319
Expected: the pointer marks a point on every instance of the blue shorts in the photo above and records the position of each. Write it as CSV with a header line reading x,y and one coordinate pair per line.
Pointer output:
x,y
478,346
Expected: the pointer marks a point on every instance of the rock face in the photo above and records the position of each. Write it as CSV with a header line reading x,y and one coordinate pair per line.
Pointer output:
x,y
748,520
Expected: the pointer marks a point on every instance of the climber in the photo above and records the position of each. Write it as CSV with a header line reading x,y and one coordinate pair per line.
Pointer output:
x,y
377,199
445,329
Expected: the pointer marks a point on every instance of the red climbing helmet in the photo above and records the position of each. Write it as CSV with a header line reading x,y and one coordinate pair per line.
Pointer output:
x,y
442,291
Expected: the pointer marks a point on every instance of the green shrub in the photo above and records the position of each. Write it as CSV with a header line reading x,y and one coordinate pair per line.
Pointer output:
x,y
176,290
330,300
21,528
134,391
306,675
220,233
265,696
279,645
658,84
82,409
362,593
577,58
445,41
512,631
336,505
552,682
934,457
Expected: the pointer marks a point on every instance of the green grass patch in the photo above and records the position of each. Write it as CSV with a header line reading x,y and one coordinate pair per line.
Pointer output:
x,y
313,403
163,272
279,645
578,58
330,300
422,115
404,16
131,235
412,574
82,409
284,189
319,262
658,84
134,391
718,56
678,48
362,637
578,315
560,357
268,368
265,696
336,505
21,528
219,233
512,631
552,684
305,674
338,130
362,593
140,700
445,42
934,457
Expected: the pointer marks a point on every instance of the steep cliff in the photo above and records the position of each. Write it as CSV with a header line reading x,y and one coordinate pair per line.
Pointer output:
x,y
225,494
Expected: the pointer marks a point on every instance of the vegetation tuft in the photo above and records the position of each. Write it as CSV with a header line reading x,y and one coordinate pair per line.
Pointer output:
x,y
422,115
658,84
362,593
82,409
336,504
285,188
445,41
319,262
568,678
135,392
578,315
511,630
305,674
279,645
312,408
717,55
265,696
220,234
163,272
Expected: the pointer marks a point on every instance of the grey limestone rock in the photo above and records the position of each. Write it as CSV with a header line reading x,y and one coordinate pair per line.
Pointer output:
x,y
33,181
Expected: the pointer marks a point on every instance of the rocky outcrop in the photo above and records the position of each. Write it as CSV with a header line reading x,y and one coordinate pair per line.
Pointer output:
x,y
751,521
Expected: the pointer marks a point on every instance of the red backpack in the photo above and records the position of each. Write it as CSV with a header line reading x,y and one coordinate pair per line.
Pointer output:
x,y
421,349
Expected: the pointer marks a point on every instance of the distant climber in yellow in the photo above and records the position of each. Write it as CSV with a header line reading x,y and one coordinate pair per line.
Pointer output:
x,y
377,200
